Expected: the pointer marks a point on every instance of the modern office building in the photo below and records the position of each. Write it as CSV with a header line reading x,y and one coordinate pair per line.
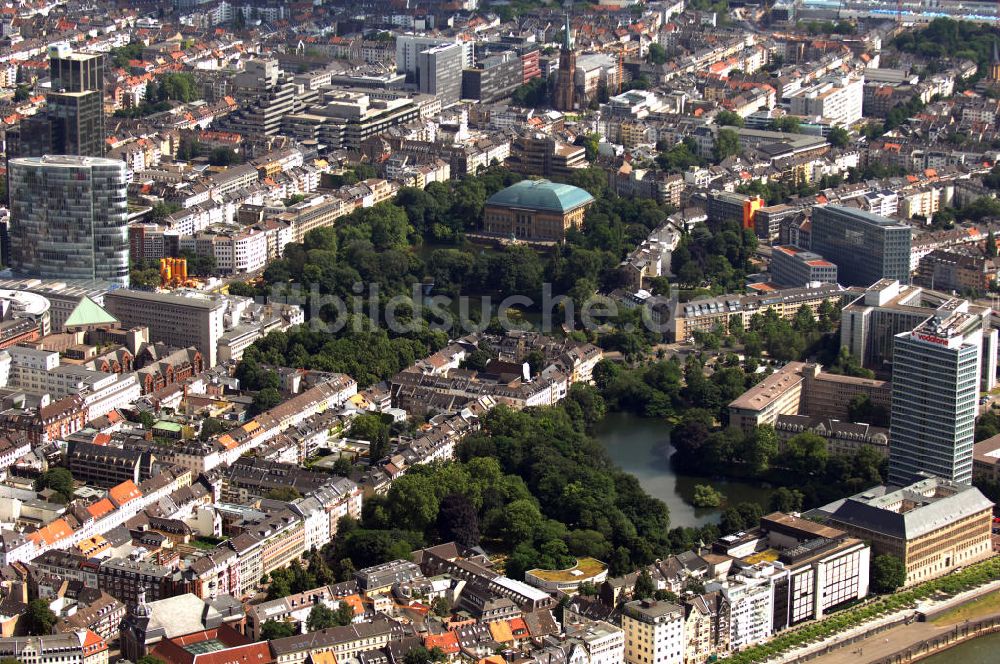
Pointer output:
x,y
718,312
495,77
869,325
725,206
439,72
180,320
266,96
933,525
935,386
409,47
654,632
793,267
821,568
864,246
68,218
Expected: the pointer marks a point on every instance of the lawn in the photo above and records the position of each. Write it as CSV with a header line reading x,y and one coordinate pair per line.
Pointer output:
x,y
979,608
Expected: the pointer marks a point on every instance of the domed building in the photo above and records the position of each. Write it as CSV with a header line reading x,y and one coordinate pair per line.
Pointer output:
x,y
535,211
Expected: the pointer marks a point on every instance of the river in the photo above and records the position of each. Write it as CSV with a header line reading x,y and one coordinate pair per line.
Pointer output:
x,y
983,650
637,445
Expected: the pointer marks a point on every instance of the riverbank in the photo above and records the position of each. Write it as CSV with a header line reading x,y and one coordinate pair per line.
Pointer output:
x,y
881,640
942,644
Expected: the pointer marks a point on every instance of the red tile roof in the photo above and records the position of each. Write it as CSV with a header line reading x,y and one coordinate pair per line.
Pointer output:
x,y
124,493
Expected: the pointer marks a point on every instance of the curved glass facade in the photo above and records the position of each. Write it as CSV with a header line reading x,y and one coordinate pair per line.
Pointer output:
x,y
68,218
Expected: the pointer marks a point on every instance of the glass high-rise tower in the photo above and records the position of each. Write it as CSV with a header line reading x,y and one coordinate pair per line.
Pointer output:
x,y
68,218
865,247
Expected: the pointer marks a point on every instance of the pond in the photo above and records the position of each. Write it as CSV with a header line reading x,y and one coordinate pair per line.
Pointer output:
x,y
641,446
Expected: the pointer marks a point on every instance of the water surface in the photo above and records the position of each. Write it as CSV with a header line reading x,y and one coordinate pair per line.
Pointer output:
x,y
641,446
984,650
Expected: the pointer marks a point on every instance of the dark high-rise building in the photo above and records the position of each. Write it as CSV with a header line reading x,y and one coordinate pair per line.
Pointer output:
x,y
565,77
865,247
73,120
496,77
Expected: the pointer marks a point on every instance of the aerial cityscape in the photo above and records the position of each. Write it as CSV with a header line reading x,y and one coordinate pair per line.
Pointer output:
x,y
499,331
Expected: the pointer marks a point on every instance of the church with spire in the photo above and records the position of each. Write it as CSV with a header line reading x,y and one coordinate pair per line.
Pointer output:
x,y
563,98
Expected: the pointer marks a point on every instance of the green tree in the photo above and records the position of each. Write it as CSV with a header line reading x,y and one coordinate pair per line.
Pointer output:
x,y
371,427
440,607
39,618
657,54
887,574
644,586
223,156
729,119
727,144
22,93
343,615
59,480
266,399
421,655
706,496
838,137
320,617
786,500
787,123
273,629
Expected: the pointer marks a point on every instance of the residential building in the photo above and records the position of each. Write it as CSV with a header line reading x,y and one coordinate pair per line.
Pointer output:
x,y
68,218
542,155
76,647
535,211
864,246
719,312
935,385
934,525
821,568
838,99
792,266
957,270
106,466
986,459
654,632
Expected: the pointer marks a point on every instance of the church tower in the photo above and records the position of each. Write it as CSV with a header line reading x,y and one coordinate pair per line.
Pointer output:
x,y
567,72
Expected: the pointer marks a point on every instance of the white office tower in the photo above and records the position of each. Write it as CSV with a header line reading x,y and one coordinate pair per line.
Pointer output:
x,y
936,369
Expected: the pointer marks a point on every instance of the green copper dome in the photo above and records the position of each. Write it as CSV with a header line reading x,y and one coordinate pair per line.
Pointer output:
x,y
541,195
